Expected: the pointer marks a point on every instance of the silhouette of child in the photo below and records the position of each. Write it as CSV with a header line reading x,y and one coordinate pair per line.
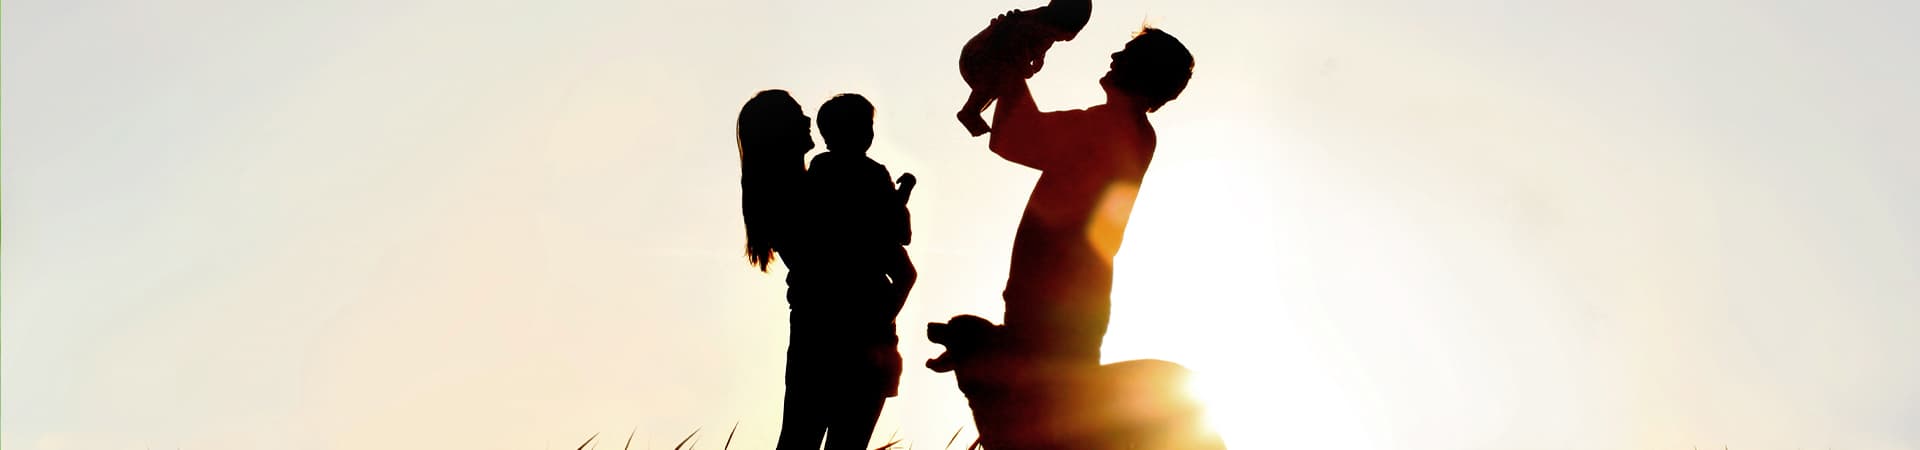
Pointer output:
x,y
1014,45
862,188
860,280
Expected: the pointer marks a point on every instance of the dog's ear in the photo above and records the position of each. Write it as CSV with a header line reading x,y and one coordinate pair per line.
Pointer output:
x,y
942,364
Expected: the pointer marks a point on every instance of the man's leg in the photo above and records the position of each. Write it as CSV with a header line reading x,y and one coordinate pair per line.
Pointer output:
x,y
1061,349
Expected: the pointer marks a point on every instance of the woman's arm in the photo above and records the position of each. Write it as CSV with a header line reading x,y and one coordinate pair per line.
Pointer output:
x,y
900,270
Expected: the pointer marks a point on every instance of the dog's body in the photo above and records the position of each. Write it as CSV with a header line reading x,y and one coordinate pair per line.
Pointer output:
x,y
1019,403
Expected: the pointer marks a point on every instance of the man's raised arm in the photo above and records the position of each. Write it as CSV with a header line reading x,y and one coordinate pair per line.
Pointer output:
x,y
1023,134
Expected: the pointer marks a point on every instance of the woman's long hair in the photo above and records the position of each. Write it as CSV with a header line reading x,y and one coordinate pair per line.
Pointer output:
x,y
772,138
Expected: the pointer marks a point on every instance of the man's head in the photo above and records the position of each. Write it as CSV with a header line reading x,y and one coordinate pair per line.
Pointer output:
x,y
846,123
1153,69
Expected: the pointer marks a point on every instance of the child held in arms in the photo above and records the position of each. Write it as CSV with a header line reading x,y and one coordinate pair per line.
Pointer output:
x,y
1014,45
861,222
849,352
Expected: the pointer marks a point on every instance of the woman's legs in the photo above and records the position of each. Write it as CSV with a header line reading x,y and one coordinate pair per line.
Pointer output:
x,y
803,415
850,424
801,423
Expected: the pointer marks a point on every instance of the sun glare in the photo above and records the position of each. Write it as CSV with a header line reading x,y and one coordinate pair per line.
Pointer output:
x,y
1177,264
1203,280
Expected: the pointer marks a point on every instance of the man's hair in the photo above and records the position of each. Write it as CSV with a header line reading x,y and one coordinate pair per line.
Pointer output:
x,y
1154,67
845,116
1068,15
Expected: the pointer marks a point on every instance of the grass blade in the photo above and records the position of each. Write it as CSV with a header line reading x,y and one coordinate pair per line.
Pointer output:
x,y
583,445
729,444
683,442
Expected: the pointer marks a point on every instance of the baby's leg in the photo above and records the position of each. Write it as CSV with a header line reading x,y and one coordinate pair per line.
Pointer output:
x,y
969,115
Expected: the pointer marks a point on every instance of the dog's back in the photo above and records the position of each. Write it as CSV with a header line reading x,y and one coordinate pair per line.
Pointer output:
x,y
1145,404
1138,404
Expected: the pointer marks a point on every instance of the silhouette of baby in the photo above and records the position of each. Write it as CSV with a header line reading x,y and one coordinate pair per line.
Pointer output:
x,y
1014,45
1018,404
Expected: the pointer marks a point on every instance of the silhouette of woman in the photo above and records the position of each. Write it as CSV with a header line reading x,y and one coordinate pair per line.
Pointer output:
x,y
842,360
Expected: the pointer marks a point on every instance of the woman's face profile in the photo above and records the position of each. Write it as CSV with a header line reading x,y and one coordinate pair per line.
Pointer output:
x,y
802,130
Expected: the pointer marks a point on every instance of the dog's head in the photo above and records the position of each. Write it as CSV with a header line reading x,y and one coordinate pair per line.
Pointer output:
x,y
965,336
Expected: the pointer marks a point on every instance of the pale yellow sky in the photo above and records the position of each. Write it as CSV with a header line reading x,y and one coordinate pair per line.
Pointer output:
x,y
1379,224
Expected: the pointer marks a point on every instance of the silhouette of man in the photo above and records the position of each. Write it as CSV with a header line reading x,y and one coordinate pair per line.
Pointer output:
x,y
1060,281
1091,162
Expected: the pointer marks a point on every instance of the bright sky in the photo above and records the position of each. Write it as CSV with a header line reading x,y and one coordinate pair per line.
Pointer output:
x,y
1374,224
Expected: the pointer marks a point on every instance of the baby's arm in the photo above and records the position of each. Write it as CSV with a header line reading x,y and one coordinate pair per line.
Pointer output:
x,y
1037,54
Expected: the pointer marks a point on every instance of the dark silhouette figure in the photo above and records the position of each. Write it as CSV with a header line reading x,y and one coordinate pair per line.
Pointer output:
x,y
1060,280
773,136
1014,47
1091,162
840,227
1137,404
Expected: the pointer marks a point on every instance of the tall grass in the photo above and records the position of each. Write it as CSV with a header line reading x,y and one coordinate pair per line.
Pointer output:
x,y
691,443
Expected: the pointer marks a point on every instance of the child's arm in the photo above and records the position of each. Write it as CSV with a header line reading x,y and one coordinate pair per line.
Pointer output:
x,y
907,181
902,217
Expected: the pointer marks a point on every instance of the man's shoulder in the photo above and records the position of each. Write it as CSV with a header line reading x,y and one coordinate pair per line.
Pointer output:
x,y
1112,122
1126,137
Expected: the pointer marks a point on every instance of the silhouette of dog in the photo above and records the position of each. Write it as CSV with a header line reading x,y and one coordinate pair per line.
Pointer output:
x,y
1019,404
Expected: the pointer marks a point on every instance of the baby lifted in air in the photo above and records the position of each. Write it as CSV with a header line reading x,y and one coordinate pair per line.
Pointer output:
x,y
1014,45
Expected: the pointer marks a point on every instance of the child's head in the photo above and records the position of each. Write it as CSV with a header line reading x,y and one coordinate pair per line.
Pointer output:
x,y
1153,69
1067,16
846,123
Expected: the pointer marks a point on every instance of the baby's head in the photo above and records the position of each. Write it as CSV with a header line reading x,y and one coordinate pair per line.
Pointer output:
x,y
1153,69
846,123
1067,17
